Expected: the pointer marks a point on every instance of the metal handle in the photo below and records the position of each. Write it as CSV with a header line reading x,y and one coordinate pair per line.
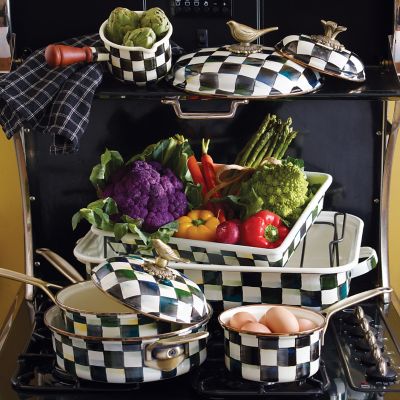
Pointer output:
x,y
167,354
331,30
367,265
61,265
17,276
351,301
193,115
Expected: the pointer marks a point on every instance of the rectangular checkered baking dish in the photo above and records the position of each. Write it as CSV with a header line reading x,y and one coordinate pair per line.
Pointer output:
x,y
202,252
314,285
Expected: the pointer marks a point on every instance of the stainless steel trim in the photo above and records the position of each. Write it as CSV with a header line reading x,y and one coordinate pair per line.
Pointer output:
x,y
388,156
174,102
26,208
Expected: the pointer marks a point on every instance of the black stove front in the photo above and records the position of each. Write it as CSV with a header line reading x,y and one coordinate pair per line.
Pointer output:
x,y
349,367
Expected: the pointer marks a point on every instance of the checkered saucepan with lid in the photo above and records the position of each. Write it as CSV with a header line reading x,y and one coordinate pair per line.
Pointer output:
x,y
280,357
137,65
105,306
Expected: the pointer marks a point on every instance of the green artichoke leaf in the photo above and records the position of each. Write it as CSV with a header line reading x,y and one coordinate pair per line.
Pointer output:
x,y
155,19
120,21
142,37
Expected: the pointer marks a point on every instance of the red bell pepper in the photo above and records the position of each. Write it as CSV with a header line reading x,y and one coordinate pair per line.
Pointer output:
x,y
263,229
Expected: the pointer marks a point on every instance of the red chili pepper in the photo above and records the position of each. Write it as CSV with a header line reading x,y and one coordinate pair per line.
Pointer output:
x,y
263,229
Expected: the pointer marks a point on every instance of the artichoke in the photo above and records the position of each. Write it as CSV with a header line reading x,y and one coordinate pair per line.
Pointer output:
x,y
120,21
143,37
155,19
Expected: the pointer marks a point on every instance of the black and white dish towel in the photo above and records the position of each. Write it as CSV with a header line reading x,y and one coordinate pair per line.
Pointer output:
x,y
48,100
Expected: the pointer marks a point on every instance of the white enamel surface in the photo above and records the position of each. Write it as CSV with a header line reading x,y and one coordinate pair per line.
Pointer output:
x,y
85,297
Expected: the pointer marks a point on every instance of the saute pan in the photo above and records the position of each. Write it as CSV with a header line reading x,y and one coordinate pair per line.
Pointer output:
x,y
93,308
128,360
281,357
87,310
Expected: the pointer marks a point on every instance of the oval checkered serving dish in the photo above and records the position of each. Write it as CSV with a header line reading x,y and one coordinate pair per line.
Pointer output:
x,y
323,53
314,285
220,72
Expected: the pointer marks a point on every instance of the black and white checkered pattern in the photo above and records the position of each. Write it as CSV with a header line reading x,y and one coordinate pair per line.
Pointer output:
x,y
272,359
202,252
340,63
55,101
118,361
122,326
176,300
138,67
217,71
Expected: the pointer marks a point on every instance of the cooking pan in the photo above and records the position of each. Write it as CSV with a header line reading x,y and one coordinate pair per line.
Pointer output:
x,y
281,357
136,65
88,311
128,360
91,309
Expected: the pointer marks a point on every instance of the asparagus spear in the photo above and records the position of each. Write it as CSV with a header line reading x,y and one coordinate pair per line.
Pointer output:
x,y
243,157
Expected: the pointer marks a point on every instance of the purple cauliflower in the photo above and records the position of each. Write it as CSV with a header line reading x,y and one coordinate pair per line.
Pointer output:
x,y
148,191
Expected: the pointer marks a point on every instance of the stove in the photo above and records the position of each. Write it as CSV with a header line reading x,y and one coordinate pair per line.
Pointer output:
x,y
348,367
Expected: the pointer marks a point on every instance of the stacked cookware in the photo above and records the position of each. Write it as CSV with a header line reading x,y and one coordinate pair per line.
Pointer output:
x,y
135,321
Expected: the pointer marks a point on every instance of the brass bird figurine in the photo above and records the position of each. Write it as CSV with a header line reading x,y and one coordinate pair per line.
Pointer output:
x,y
245,35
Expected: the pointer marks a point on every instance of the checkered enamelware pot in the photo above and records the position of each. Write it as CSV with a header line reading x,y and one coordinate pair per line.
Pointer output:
x,y
138,65
127,360
219,72
281,356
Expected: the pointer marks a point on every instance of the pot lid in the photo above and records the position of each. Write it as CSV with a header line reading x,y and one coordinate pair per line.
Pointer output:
x,y
242,69
324,53
151,288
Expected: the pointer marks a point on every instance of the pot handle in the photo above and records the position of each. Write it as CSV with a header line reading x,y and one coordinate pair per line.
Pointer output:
x,y
59,55
167,354
17,276
367,265
351,301
61,264
197,115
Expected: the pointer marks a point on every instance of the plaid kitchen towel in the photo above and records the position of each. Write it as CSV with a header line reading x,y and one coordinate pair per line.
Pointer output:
x,y
54,101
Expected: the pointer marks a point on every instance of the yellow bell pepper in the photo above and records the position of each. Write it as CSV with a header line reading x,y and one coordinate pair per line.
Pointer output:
x,y
198,225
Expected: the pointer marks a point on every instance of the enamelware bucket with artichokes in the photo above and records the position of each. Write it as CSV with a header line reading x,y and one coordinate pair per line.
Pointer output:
x,y
136,48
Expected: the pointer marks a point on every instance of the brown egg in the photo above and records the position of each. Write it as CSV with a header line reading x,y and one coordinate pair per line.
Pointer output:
x,y
240,318
263,320
305,324
281,320
255,327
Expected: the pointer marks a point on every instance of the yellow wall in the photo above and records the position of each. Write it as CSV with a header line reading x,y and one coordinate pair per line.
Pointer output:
x,y
11,228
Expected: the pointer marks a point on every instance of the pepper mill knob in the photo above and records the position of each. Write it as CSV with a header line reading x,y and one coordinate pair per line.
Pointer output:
x,y
331,30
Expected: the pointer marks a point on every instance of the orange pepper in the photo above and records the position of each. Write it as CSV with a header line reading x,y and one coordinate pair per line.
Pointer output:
x,y
198,225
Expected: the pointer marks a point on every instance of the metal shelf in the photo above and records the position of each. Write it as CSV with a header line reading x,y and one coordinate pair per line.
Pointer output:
x,y
381,84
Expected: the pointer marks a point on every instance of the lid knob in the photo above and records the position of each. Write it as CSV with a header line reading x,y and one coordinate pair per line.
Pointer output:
x,y
158,267
331,30
245,35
